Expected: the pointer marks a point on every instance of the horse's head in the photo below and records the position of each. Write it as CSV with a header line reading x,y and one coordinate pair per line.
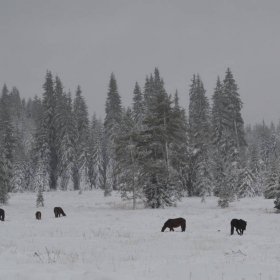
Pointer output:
x,y
163,228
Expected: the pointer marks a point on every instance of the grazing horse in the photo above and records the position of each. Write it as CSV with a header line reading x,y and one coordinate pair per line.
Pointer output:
x,y
173,223
2,215
38,215
58,211
240,226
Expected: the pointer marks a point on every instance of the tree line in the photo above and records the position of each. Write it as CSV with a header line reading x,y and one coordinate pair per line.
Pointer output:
x,y
152,151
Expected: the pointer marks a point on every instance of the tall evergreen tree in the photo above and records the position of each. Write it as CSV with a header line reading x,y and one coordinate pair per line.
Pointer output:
x,y
270,187
112,121
66,137
48,124
234,120
179,153
95,148
156,170
199,116
4,177
80,168
7,131
40,198
138,106
128,157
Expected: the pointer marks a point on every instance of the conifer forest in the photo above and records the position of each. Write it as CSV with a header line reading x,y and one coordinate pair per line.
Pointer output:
x,y
155,150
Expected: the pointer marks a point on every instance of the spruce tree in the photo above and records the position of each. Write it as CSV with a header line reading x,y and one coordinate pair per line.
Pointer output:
x,y
46,131
8,133
277,195
95,145
112,121
4,176
138,106
66,137
80,168
156,168
128,157
199,125
246,183
233,103
40,198
179,153
271,181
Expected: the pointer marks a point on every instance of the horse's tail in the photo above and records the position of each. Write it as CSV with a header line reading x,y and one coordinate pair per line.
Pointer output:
x,y
232,229
62,212
184,226
3,216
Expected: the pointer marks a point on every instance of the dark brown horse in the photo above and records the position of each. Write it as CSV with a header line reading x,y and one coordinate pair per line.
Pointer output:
x,y
173,223
58,211
38,215
239,225
2,215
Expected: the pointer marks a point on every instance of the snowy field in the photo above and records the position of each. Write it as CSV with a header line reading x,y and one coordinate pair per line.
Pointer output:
x,y
103,239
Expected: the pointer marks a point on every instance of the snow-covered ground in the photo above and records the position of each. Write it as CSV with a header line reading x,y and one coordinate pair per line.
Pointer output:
x,y
103,239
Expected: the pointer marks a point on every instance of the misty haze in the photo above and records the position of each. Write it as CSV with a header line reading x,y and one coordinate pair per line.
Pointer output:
x,y
117,117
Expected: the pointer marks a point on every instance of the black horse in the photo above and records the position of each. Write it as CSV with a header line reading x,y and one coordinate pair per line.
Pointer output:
x,y
38,215
173,223
2,215
58,211
239,225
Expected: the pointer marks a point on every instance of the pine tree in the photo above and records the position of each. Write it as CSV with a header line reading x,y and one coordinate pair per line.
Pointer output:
x,y
66,135
233,103
277,195
271,181
179,153
228,188
156,169
40,198
7,132
246,183
138,106
127,158
273,141
264,147
199,124
256,170
112,121
4,176
46,131
95,147
148,92
104,165
80,168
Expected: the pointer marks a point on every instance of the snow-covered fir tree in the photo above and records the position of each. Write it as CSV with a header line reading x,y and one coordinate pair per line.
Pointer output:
x,y
45,135
112,121
81,120
95,152
128,158
246,185
178,152
66,137
159,187
40,198
8,133
271,181
138,106
4,176
199,135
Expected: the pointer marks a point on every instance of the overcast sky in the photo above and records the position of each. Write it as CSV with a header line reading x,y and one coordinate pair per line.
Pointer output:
x,y
84,41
